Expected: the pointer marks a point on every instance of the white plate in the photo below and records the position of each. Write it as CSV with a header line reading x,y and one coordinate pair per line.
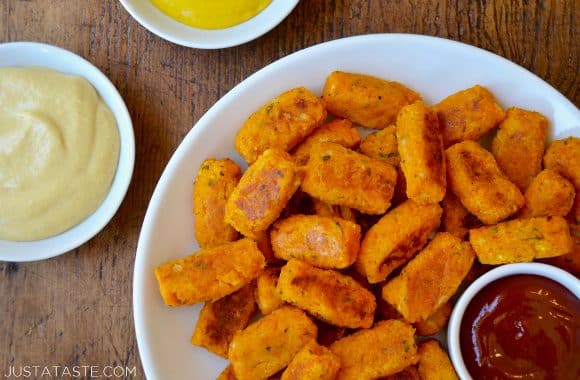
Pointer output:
x,y
37,54
165,27
434,67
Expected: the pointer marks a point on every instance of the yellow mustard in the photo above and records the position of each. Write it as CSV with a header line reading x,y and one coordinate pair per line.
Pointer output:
x,y
59,147
211,14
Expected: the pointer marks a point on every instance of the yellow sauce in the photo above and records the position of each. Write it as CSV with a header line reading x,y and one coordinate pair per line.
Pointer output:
x,y
59,147
211,14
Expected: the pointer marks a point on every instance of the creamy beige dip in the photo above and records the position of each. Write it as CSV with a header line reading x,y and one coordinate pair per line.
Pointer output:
x,y
59,147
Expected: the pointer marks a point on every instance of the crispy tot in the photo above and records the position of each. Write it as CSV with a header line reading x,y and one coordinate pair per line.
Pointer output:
x,y
321,208
549,194
519,145
262,193
456,219
313,362
331,296
434,363
339,131
431,278
395,238
209,274
420,146
213,185
571,261
266,295
281,123
219,321
340,176
227,374
522,240
268,345
318,240
387,348
409,373
468,114
476,180
563,156
369,101
436,321
382,145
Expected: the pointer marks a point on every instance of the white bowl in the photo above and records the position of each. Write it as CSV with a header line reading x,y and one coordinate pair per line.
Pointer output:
x,y
36,54
453,329
167,28
435,67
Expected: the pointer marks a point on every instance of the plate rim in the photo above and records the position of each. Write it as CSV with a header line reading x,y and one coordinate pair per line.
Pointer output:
x,y
198,127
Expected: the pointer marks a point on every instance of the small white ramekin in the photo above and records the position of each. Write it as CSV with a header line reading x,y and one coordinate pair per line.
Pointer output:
x,y
453,331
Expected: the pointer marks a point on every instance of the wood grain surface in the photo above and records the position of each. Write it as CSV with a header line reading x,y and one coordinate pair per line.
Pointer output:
x,y
76,309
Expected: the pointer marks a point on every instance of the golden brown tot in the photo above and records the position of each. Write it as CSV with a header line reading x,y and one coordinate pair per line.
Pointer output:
x,y
362,354
522,240
420,146
313,362
262,193
477,181
210,274
266,294
434,363
281,123
340,176
382,145
549,194
339,131
318,240
268,345
214,183
331,296
563,156
431,278
468,114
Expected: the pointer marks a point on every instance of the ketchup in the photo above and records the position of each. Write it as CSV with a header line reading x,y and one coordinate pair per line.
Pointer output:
x,y
522,327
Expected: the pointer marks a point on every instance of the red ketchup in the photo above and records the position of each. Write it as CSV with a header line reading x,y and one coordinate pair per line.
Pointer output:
x,y
522,327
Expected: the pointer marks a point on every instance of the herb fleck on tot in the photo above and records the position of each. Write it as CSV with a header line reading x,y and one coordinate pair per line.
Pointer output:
x,y
388,155
326,157
269,107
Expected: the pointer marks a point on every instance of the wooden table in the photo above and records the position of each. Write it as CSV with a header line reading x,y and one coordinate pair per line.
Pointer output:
x,y
76,309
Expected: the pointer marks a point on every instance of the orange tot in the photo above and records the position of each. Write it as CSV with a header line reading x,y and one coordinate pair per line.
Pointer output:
x,y
210,274
268,345
519,145
281,123
313,362
382,145
431,278
420,146
219,321
318,240
340,176
262,193
409,373
477,181
339,131
330,296
468,114
363,354
266,295
456,219
434,363
549,194
436,321
522,240
395,238
563,156
213,185
366,100
571,261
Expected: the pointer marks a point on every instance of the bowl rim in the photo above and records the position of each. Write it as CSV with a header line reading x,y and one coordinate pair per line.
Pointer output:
x,y
30,54
550,272
181,34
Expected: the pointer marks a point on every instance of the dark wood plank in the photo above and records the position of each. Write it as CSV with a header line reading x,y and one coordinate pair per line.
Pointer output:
x,y
76,309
